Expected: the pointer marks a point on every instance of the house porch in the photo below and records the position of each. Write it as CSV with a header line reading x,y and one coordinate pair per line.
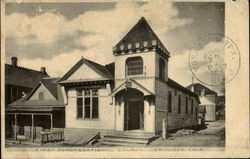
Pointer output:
x,y
29,126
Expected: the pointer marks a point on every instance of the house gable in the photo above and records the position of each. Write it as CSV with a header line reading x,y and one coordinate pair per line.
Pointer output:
x,y
84,72
131,84
41,92
85,69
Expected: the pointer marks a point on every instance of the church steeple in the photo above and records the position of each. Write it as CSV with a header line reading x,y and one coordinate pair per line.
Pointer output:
x,y
139,39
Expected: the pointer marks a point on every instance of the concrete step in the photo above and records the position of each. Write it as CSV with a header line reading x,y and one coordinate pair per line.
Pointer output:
x,y
132,133
125,136
124,139
109,143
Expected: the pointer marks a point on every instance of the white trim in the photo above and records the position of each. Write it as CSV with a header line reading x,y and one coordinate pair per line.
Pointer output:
x,y
134,85
65,99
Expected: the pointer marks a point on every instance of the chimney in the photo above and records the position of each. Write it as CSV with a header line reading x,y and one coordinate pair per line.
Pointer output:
x,y
43,70
14,61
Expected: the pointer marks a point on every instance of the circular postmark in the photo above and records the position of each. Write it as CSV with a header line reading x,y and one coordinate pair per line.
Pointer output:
x,y
214,60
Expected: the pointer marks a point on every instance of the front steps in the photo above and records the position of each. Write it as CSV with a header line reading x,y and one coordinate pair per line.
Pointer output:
x,y
127,139
82,138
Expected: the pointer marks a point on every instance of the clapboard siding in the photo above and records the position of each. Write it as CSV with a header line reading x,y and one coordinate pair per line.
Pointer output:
x,y
179,120
160,104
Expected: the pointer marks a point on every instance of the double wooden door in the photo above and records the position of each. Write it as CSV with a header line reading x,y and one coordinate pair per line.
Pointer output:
x,y
134,115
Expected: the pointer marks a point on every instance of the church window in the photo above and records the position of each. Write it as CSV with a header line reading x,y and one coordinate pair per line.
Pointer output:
x,y
134,66
161,69
192,106
179,104
169,101
186,105
87,104
79,107
196,113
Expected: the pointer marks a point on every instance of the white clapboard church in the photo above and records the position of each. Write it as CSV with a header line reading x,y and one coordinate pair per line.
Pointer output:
x,y
131,95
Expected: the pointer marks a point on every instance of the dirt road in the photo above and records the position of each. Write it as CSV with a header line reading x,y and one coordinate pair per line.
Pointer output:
x,y
211,136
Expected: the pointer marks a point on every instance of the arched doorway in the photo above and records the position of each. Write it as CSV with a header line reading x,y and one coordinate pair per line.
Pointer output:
x,y
133,109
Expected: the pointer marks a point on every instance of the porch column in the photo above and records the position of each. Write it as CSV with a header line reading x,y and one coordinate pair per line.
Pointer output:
x,y
51,122
15,128
32,127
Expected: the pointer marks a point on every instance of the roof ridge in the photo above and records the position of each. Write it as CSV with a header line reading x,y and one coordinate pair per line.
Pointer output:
x,y
71,70
141,37
25,68
152,31
185,88
99,65
130,30
210,89
49,85
93,62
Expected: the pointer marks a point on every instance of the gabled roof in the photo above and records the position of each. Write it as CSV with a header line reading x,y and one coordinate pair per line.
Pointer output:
x,y
172,83
141,32
100,69
111,68
53,88
198,87
51,85
24,77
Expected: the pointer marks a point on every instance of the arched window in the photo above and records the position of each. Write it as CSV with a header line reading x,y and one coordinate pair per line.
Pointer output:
x,y
161,69
134,66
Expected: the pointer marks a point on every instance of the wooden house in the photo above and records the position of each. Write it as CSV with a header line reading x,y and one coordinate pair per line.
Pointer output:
x,y
41,110
19,82
208,98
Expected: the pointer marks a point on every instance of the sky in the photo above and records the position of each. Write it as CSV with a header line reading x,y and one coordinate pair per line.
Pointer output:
x,y
56,35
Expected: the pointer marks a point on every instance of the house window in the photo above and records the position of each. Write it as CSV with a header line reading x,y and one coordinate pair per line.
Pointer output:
x,y
41,96
186,105
169,101
87,104
192,106
161,69
79,103
179,104
14,95
134,66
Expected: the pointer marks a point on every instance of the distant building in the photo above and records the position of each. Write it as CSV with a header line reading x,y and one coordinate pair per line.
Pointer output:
x,y
202,115
220,108
19,82
208,98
